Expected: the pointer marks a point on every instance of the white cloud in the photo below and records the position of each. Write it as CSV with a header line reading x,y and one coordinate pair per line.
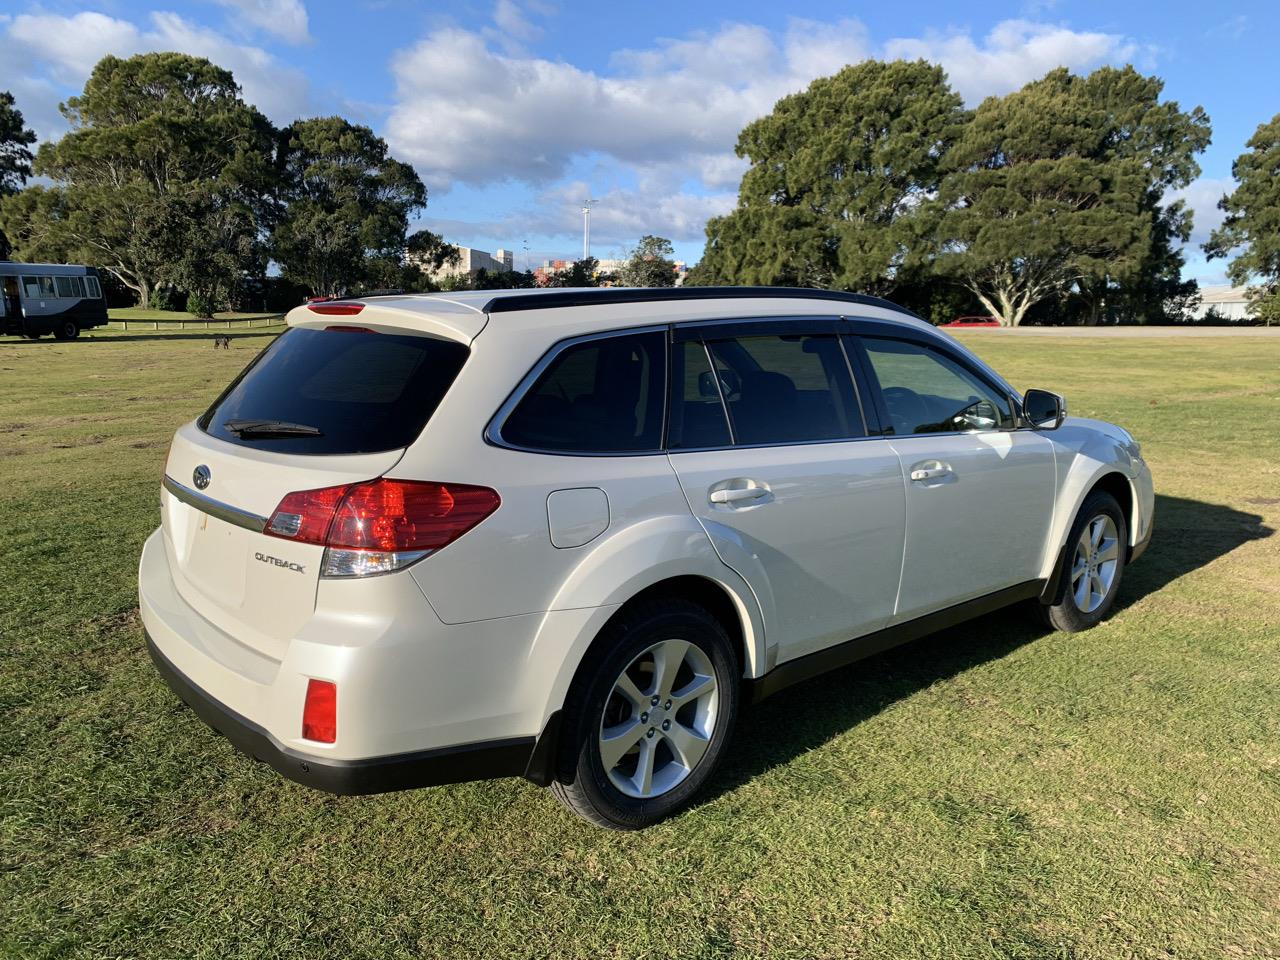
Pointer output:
x,y
1011,55
45,57
286,19
1202,197
469,111
511,20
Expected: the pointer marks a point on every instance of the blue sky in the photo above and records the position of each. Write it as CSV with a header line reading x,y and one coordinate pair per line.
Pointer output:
x,y
514,111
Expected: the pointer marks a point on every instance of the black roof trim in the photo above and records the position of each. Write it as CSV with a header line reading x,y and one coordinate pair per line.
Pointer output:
x,y
588,296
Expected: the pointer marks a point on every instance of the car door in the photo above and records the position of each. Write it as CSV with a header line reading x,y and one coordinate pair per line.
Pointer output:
x,y
979,490
769,442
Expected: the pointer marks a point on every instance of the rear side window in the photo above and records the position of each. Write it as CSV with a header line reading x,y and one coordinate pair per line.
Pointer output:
x,y
603,395
334,392
787,389
92,288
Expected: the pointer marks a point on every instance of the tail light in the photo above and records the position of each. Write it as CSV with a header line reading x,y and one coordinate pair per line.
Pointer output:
x,y
320,712
381,525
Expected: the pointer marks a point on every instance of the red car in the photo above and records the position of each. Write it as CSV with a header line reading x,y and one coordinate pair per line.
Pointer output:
x,y
973,322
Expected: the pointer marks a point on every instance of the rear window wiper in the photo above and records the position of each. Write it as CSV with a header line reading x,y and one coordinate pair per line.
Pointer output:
x,y
247,429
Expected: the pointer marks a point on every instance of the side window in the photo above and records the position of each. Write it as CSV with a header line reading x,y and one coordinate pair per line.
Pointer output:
x,y
31,288
697,415
599,396
926,391
92,289
46,287
787,389
70,287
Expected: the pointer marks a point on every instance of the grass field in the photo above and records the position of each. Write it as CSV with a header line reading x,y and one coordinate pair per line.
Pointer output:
x,y
992,791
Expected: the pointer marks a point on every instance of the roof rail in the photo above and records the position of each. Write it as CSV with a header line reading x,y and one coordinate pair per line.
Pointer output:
x,y
586,296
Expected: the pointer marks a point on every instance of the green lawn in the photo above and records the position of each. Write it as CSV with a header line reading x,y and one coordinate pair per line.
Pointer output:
x,y
993,791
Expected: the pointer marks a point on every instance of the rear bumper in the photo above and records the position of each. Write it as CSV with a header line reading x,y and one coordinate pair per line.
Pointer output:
x,y
477,761
421,702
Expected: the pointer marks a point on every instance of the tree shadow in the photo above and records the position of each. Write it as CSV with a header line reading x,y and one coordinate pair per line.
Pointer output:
x,y
1189,535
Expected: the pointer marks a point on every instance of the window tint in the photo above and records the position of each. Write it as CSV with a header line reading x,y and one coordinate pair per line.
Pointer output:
x,y
787,389
364,392
697,415
926,391
70,287
603,395
92,288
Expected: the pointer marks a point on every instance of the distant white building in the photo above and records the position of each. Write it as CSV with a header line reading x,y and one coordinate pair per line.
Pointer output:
x,y
471,261
1228,302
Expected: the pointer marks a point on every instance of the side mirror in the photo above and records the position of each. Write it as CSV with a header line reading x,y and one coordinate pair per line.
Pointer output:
x,y
1044,410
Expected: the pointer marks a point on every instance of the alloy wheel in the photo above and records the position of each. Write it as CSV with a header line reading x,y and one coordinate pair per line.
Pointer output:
x,y
659,718
1093,569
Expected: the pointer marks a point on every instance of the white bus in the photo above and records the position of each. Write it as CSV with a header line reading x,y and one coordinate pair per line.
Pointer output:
x,y
57,298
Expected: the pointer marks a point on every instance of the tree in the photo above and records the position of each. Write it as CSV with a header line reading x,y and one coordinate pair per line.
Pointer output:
x,y
346,206
1035,201
839,181
649,264
15,154
1136,126
162,176
1252,225
580,273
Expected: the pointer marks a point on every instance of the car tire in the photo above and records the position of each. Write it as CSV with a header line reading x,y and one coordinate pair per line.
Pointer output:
x,y
1092,566
661,647
66,330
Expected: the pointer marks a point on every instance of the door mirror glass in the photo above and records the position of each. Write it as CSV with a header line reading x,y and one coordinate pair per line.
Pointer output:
x,y
1044,410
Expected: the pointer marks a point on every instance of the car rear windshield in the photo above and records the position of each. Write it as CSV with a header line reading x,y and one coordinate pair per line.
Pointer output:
x,y
329,392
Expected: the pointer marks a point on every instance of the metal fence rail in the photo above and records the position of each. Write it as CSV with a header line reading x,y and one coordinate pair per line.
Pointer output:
x,y
229,324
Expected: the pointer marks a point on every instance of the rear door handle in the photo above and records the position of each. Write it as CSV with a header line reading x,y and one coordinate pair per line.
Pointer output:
x,y
929,471
739,494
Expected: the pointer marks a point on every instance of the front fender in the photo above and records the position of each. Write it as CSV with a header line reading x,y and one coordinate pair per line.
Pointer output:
x,y
1086,452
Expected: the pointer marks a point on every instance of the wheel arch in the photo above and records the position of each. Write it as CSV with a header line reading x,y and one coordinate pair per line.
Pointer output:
x,y
1110,480
732,604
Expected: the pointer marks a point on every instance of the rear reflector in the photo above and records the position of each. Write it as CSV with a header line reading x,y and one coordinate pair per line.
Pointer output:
x,y
380,525
336,309
320,712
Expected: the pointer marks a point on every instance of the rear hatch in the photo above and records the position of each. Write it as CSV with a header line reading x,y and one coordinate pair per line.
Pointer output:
x,y
319,407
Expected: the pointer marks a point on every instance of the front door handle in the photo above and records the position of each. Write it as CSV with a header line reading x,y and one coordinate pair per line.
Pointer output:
x,y
930,470
739,494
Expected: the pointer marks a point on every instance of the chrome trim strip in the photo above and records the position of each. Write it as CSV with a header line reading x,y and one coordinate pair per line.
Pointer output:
x,y
215,508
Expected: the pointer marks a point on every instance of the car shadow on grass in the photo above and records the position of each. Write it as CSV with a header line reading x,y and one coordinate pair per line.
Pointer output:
x,y
1189,535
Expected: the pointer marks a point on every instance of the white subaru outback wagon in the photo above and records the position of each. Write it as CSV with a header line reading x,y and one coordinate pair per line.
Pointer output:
x,y
565,534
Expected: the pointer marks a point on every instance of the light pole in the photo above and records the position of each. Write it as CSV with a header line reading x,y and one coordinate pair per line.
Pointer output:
x,y
525,244
586,227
